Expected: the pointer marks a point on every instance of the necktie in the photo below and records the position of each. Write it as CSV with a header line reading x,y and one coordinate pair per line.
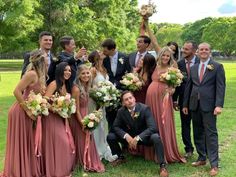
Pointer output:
x,y
188,67
132,113
201,72
139,57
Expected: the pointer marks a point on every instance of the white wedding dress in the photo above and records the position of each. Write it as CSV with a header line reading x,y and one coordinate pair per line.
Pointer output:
x,y
100,133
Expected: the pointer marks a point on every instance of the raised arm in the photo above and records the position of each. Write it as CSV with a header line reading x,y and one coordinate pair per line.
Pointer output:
x,y
153,38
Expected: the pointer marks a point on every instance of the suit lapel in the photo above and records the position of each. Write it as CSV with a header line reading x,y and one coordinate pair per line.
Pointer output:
x,y
129,118
118,66
108,65
206,71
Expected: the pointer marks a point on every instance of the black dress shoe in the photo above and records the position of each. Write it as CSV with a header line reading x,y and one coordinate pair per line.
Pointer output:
x,y
118,162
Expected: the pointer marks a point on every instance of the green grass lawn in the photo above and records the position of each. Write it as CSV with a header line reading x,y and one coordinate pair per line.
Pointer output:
x,y
137,166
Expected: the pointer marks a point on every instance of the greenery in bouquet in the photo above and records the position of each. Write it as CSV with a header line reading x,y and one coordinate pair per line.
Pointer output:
x,y
173,77
63,105
37,104
91,121
105,94
131,81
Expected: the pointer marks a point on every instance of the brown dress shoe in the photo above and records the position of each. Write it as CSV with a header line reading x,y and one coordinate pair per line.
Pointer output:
x,y
214,171
117,162
198,163
163,172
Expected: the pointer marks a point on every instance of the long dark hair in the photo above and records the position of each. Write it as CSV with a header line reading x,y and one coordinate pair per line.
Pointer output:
x,y
176,52
149,65
59,77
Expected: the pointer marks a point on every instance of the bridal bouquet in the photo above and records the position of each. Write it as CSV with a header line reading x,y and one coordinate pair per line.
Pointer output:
x,y
173,77
92,120
37,104
147,10
105,94
131,81
63,105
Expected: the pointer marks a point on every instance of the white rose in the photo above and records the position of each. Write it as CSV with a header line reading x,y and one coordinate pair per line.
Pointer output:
x,y
90,124
45,112
167,77
92,116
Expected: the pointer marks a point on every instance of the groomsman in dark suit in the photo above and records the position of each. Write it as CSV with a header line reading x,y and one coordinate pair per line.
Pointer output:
x,y
204,99
135,125
67,55
45,43
184,65
116,64
142,44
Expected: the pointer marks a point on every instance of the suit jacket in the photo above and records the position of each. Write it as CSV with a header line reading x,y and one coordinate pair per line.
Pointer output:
x,y
51,69
69,58
143,125
210,92
122,68
179,91
132,58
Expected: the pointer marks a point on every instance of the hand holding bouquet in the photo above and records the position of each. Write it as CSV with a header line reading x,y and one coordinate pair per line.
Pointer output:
x,y
131,81
37,104
63,105
173,77
105,94
91,121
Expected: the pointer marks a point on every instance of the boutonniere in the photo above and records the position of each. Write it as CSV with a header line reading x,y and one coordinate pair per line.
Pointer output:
x,y
121,60
136,115
210,67
54,59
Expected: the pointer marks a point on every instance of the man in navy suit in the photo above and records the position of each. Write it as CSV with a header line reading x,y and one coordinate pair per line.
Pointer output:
x,y
116,64
142,44
134,125
45,43
189,59
204,99
67,55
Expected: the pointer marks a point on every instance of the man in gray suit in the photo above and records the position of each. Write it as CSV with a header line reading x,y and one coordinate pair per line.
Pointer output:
x,y
204,98
143,43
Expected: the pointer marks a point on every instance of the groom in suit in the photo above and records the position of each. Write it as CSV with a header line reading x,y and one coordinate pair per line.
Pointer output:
x,y
204,99
135,125
45,44
116,64
184,65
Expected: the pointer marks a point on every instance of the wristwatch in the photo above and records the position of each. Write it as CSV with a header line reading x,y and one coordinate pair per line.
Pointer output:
x,y
137,138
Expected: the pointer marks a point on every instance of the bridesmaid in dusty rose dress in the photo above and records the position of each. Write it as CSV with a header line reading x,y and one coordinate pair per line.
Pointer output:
x,y
86,152
163,113
58,144
20,158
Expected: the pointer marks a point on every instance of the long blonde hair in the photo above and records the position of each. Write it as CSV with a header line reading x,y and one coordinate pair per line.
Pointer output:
x,y
161,53
37,63
84,89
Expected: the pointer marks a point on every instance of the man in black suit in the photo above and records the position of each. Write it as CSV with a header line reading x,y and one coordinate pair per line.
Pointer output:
x,y
204,99
116,64
45,43
184,65
142,44
67,55
134,125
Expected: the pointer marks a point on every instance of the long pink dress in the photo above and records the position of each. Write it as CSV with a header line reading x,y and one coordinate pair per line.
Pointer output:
x,y
86,152
20,159
162,108
58,146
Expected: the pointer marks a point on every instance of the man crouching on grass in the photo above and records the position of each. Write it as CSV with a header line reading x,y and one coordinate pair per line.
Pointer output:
x,y
134,124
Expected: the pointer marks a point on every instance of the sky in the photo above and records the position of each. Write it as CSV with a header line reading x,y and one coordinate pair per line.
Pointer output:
x,y
184,11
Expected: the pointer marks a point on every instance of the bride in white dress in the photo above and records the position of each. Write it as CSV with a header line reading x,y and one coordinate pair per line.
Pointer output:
x,y
100,133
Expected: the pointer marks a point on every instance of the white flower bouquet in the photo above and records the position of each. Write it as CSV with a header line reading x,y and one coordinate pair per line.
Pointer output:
x,y
147,10
173,77
63,105
131,81
92,120
105,94
37,104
